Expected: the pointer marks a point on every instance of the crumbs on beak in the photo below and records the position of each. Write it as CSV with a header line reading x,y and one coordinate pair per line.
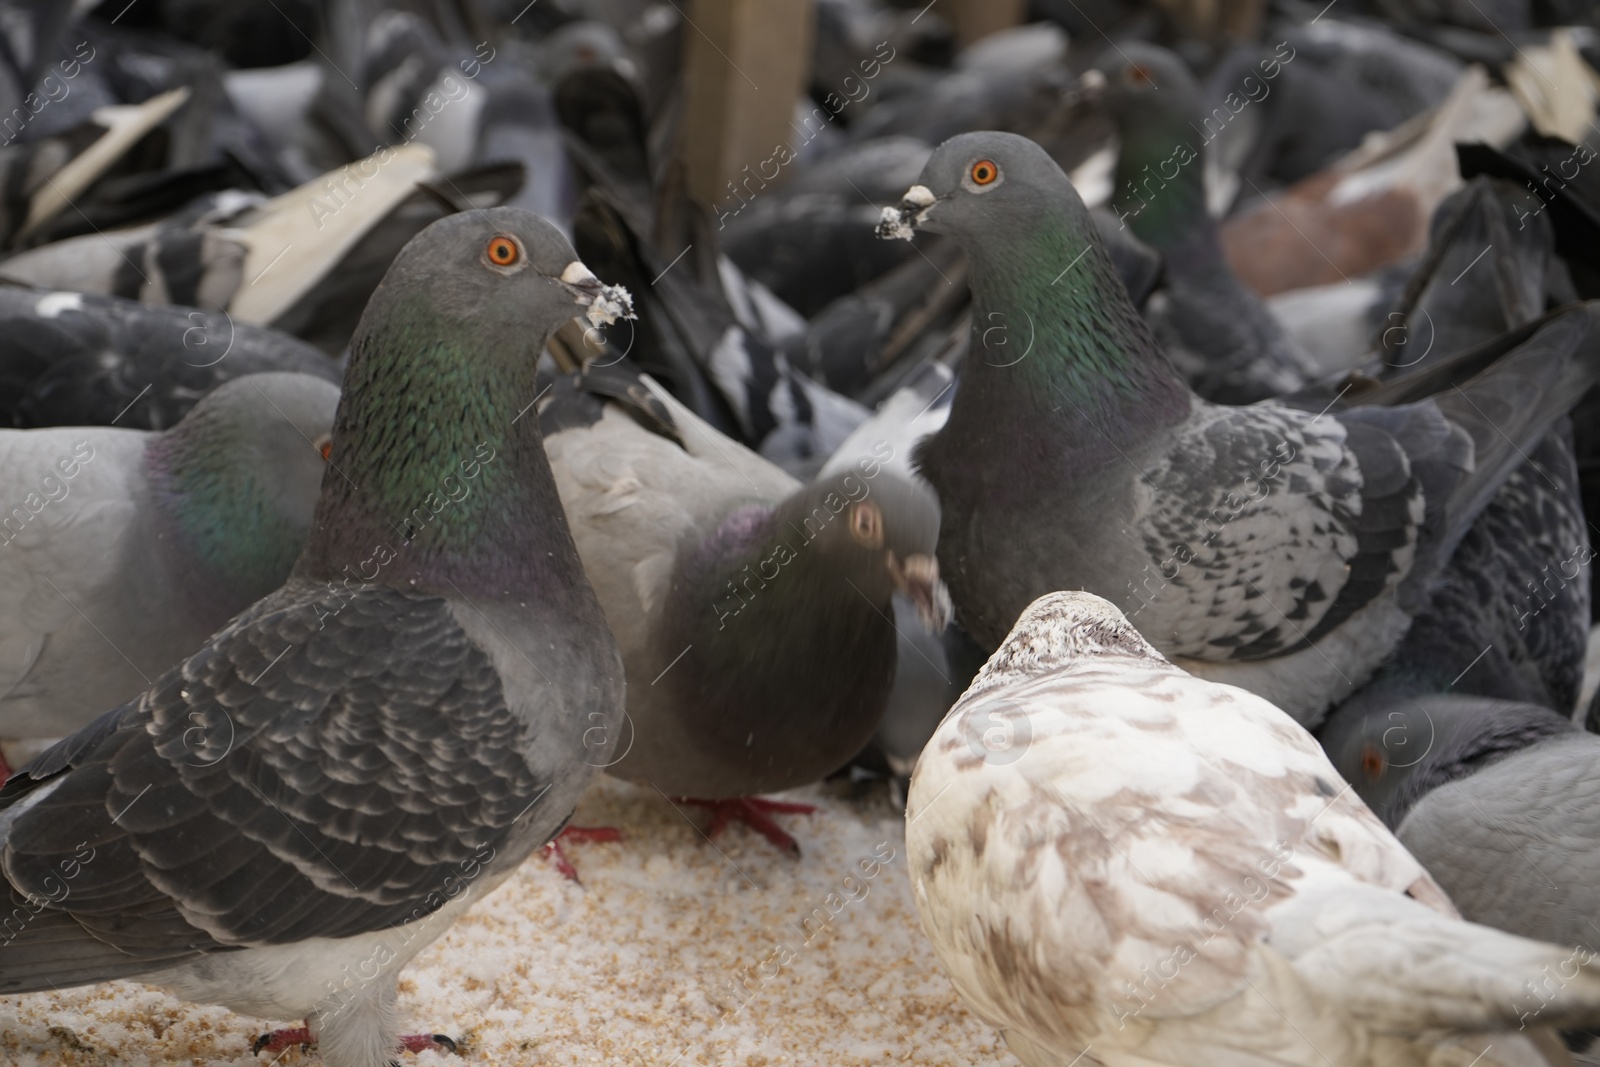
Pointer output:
x,y
892,224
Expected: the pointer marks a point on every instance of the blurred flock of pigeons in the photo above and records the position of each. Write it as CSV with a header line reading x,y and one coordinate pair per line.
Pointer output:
x,y
1172,437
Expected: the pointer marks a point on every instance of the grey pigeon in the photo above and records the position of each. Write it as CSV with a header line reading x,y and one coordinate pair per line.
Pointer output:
x,y
1507,621
1274,548
752,611
1497,799
121,551
931,670
1216,332
1120,862
281,822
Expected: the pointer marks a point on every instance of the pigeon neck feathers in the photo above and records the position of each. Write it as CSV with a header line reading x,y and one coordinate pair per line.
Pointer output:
x,y
1056,339
436,481
219,509
1159,189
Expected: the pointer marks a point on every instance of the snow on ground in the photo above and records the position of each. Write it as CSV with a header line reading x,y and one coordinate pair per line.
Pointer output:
x,y
673,953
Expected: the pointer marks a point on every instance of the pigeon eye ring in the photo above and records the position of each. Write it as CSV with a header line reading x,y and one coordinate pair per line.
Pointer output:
x,y
503,251
984,172
866,525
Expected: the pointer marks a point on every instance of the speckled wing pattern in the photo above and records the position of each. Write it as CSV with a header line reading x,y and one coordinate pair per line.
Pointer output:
x,y
317,770
1268,527
1513,602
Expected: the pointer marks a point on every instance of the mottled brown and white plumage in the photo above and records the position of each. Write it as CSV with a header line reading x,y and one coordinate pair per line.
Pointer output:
x,y
1124,865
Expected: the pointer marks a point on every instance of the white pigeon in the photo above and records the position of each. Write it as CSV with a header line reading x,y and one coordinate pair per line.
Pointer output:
x,y
1121,864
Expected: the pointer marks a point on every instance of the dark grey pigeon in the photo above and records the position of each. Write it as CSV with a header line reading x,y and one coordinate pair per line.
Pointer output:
x,y
1278,549
753,612
73,359
688,328
197,257
1215,330
1508,618
1488,268
344,768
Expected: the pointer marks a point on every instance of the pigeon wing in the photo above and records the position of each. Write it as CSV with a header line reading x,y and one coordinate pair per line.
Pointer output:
x,y
322,768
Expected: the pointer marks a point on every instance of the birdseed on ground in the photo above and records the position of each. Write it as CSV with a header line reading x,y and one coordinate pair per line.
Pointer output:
x,y
672,953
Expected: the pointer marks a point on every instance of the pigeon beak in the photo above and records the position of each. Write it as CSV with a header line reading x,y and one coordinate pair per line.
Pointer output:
x,y
918,579
605,303
901,221
1091,86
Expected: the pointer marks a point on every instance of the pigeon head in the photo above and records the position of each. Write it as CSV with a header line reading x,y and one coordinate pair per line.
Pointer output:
x,y
1145,83
989,191
507,272
1393,752
436,478
1050,314
1159,186
878,533
1057,631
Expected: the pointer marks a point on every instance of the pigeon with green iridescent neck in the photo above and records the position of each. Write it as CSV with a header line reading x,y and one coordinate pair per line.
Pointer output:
x,y
1282,550
282,821
1217,332
121,551
753,612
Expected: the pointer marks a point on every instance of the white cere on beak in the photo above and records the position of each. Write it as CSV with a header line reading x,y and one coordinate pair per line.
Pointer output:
x,y
575,273
1092,80
918,196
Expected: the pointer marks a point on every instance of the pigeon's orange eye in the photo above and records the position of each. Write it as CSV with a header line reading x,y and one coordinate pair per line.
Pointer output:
x,y
984,171
1372,762
866,525
1140,75
502,251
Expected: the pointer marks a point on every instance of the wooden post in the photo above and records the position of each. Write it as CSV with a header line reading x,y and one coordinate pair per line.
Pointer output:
x,y
1215,20
746,62
971,19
